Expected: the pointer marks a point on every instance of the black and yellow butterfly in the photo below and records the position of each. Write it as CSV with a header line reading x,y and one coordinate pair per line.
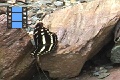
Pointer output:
x,y
45,41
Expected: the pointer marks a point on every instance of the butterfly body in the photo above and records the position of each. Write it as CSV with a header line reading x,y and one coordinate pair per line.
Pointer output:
x,y
45,41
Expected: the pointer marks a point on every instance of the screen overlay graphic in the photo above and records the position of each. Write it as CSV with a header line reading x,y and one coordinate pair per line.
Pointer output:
x,y
16,17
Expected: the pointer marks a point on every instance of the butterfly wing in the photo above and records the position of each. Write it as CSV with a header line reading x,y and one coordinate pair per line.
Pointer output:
x,y
37,34
37,38
44,40
51,42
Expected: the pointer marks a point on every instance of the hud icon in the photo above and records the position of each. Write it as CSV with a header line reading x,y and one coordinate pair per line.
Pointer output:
x,y
16,17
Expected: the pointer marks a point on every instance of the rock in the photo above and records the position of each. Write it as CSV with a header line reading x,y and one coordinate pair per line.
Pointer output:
x,y
3,10
103,75
115,54
67,3
39,13
34,19
35,9
82,31
58,3
31,13
11,1
101,72
15,48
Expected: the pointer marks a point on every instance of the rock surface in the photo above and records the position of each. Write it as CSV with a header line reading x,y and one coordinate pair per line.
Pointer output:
x,y
15,49
3,10
115,53
82,31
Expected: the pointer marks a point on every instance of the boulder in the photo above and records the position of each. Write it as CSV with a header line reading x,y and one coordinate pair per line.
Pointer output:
x,y
82,31
15,48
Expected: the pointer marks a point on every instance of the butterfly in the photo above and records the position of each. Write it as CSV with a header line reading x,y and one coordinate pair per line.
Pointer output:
x,y
45,41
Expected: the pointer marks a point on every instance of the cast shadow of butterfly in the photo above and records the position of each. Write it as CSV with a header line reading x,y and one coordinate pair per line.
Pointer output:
x,y
45,42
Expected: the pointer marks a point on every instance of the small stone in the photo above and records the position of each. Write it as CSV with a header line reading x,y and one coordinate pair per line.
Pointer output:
x,y
101,68
108,67
11,1
35,9
96,74
29,21
34,19
58,3
39,13
103,71
48,2
103,75
67,3
30,13
115,54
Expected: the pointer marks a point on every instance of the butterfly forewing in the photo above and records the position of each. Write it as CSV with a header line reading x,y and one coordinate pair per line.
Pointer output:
x,y
37,34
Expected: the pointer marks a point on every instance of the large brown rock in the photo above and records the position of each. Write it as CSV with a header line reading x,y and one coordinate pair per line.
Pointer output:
x,y
82,31
15,48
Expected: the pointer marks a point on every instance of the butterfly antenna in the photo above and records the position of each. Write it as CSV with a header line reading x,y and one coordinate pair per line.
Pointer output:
x,y
45,75
37,65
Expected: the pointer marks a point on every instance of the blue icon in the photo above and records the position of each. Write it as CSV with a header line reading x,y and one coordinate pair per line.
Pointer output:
x,y
16,24
17,9
16,17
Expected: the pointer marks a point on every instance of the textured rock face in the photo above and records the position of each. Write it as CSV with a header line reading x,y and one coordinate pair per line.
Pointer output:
x,y
15,49
82,31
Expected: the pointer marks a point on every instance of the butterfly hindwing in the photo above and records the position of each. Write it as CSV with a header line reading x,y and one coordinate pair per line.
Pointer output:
x,y
52,40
